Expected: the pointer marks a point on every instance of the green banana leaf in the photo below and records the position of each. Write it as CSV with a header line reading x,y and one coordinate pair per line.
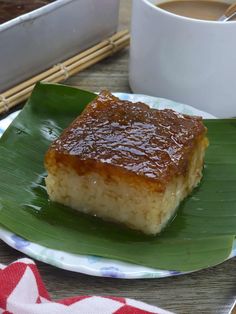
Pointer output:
x,y
201,234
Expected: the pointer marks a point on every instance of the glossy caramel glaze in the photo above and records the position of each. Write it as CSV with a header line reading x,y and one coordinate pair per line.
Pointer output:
x,y
130,137
9,9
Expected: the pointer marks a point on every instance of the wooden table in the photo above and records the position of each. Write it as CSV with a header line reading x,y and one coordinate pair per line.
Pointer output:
x,y
208,291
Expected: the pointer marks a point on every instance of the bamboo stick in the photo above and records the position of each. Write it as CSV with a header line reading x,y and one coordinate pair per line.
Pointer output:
x,y
73,59
72,69
60,72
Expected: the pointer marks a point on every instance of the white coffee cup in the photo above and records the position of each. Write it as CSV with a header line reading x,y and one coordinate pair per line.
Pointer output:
x,y
187,60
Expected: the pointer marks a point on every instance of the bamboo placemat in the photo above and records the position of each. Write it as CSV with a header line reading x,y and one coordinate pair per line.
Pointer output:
x,y
60,72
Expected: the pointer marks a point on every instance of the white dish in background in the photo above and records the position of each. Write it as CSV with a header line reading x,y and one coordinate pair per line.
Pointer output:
x,y
94,265
40,39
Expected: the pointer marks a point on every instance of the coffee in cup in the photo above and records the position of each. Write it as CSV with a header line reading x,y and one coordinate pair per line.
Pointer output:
x,y
197,9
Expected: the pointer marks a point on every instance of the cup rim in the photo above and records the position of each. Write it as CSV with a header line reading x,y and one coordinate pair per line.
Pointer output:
x,y
186,18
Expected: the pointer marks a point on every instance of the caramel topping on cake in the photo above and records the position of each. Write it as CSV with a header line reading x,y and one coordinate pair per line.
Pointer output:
x,y
11,9
130,137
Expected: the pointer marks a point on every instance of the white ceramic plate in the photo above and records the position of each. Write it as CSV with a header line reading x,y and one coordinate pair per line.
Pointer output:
x,y
93,265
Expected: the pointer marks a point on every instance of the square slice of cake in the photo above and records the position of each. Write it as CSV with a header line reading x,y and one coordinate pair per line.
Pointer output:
x,y
127,163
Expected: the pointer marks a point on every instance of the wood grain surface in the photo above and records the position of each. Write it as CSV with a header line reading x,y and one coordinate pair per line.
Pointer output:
x,y
210,291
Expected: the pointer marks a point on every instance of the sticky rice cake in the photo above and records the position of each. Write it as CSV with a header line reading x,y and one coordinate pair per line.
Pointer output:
x,y
127,163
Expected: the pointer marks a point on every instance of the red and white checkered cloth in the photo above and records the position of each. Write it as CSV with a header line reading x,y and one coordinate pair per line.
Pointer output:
x,y
23,292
